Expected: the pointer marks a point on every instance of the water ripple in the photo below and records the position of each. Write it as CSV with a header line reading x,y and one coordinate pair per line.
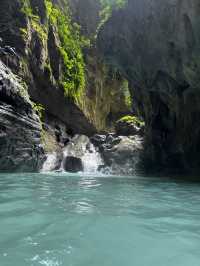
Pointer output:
x,y
58,219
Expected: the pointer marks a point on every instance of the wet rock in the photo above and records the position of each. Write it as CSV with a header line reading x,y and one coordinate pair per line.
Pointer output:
x,y
65,140
124,156
101,168
108,140
125,128
120,154
122,151
73,164
113,139
20,128
98,140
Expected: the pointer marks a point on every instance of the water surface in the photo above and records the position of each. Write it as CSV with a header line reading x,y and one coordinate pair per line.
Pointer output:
x,y
68,220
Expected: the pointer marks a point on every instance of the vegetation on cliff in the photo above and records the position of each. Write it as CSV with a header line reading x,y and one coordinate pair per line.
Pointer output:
x,y
107,7
61,62
70,42
35,21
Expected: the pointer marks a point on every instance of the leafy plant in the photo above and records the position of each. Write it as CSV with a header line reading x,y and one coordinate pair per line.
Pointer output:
x,y
39,109
71,42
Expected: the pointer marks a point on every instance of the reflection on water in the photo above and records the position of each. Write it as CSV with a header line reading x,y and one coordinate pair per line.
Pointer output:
x,y
93,221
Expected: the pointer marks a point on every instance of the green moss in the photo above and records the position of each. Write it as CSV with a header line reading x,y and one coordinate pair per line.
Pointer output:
x,y
73,78
24,33
34,20
49,142
39,28
127,95
39,109
130,119
23,90
128,101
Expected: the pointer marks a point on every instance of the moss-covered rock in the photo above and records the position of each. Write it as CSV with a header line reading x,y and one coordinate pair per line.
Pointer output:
x,y
129,125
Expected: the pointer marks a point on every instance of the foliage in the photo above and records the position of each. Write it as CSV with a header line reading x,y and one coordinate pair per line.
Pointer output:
x,y
73,78
70,47
24,33
131,119
39,109
34,20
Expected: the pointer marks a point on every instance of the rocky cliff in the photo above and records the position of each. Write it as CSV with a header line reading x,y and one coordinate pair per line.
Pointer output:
x,y
44,38
156,46
20,127
50,46
58,59
83,72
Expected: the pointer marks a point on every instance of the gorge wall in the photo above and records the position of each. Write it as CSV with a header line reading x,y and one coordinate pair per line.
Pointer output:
x,y
82,72
39,42
73,90
156,46
20,127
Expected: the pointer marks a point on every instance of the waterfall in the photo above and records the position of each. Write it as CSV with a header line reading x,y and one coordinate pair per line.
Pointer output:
x,y
121,156
91,160
82,148
51,162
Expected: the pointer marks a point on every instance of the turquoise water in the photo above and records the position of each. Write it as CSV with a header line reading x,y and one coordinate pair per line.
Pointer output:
x,y
55,220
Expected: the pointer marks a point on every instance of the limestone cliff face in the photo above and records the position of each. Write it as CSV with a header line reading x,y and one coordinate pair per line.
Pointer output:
x,y
20,127
27,26
40,66
156,45
87,14
30,27
57,62
107,94
152,44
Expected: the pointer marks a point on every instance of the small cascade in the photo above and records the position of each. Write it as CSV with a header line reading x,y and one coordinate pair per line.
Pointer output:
x,y
91,160
80,147
50,163
119,155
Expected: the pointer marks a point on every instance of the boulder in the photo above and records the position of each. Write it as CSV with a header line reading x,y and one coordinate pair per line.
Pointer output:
x,y
73,164
123,157
123,151
129,126
98,140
